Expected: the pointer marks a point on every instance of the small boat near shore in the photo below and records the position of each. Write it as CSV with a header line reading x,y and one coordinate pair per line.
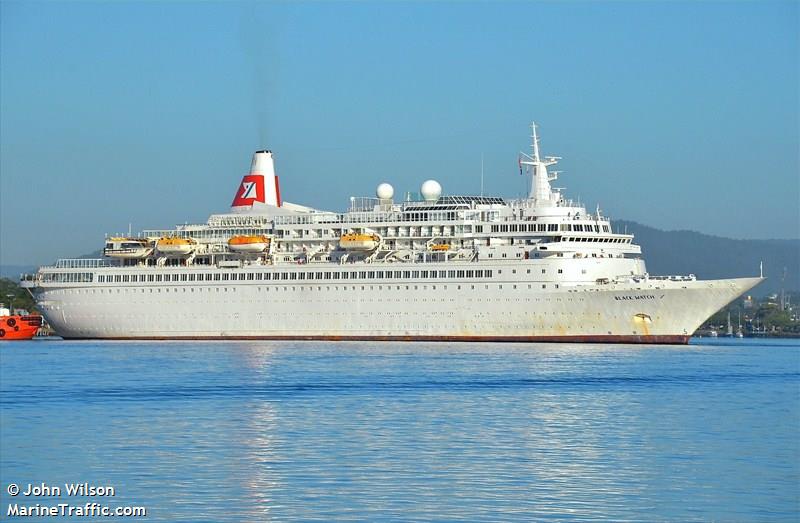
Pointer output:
x,y
18,326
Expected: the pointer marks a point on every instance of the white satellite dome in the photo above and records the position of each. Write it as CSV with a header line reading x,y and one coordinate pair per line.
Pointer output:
x,y
384,191
430,190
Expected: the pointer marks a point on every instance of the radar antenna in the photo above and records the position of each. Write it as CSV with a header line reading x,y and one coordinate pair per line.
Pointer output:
x,y
537,167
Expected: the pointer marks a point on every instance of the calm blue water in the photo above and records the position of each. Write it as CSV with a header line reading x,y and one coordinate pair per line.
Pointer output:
x,y
287,431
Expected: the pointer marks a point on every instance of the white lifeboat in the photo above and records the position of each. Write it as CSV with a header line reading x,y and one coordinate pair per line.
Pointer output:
x,y
127,248
176,246
248,244
359,241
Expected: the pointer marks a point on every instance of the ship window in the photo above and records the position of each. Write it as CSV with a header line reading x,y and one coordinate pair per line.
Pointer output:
x,y
544,286
544,271
460,274
302,276
470,274
191,277
379,274
226,276
414,274
327,275
371,274
362,274
560,271
293,276
336,275
217,277
552,226
184,277
259,276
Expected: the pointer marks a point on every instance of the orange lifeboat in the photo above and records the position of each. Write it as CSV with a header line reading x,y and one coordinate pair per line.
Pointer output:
x,y
359,241
248,244
179,246
18,327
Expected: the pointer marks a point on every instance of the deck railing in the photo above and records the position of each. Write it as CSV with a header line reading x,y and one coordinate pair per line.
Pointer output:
x,y
83,263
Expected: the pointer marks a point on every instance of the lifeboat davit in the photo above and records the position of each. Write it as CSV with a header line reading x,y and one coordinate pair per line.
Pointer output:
x,y
359,241
248,244
179,246
129,248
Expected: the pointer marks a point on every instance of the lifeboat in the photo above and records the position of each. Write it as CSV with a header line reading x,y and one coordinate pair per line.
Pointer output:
x,y
439,247
18,327
176,246
248,244
359,241
129,248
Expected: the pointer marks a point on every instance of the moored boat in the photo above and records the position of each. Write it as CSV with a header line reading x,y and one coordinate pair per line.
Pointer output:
x,y
18,326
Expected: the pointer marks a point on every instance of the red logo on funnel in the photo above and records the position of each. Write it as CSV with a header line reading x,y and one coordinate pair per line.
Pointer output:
x,y
251,190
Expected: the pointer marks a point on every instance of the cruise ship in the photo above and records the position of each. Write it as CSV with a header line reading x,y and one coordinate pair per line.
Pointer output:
x,y
434,267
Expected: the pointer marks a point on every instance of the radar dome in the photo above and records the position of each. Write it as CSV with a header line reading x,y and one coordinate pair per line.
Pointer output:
x,y
384,191
431,190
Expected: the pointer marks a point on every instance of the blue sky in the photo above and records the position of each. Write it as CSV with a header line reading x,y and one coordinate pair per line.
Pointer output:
x,y
676,115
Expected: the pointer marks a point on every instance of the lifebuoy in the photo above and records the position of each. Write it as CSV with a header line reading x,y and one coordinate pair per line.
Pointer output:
x,y
11,322
2,333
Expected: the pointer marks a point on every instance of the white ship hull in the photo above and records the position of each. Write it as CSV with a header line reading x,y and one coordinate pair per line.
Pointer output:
x,y
439,268
654,311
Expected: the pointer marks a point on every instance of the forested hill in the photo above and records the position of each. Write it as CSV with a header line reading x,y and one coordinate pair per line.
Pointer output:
x,y
709,257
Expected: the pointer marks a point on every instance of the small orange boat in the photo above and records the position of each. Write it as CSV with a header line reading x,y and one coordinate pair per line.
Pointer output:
x,y
18,327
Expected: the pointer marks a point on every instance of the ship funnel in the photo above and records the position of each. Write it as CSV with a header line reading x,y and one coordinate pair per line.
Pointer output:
x,y
260,186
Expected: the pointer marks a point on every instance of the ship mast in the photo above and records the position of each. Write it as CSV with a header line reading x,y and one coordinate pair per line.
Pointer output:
x,y
540,192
